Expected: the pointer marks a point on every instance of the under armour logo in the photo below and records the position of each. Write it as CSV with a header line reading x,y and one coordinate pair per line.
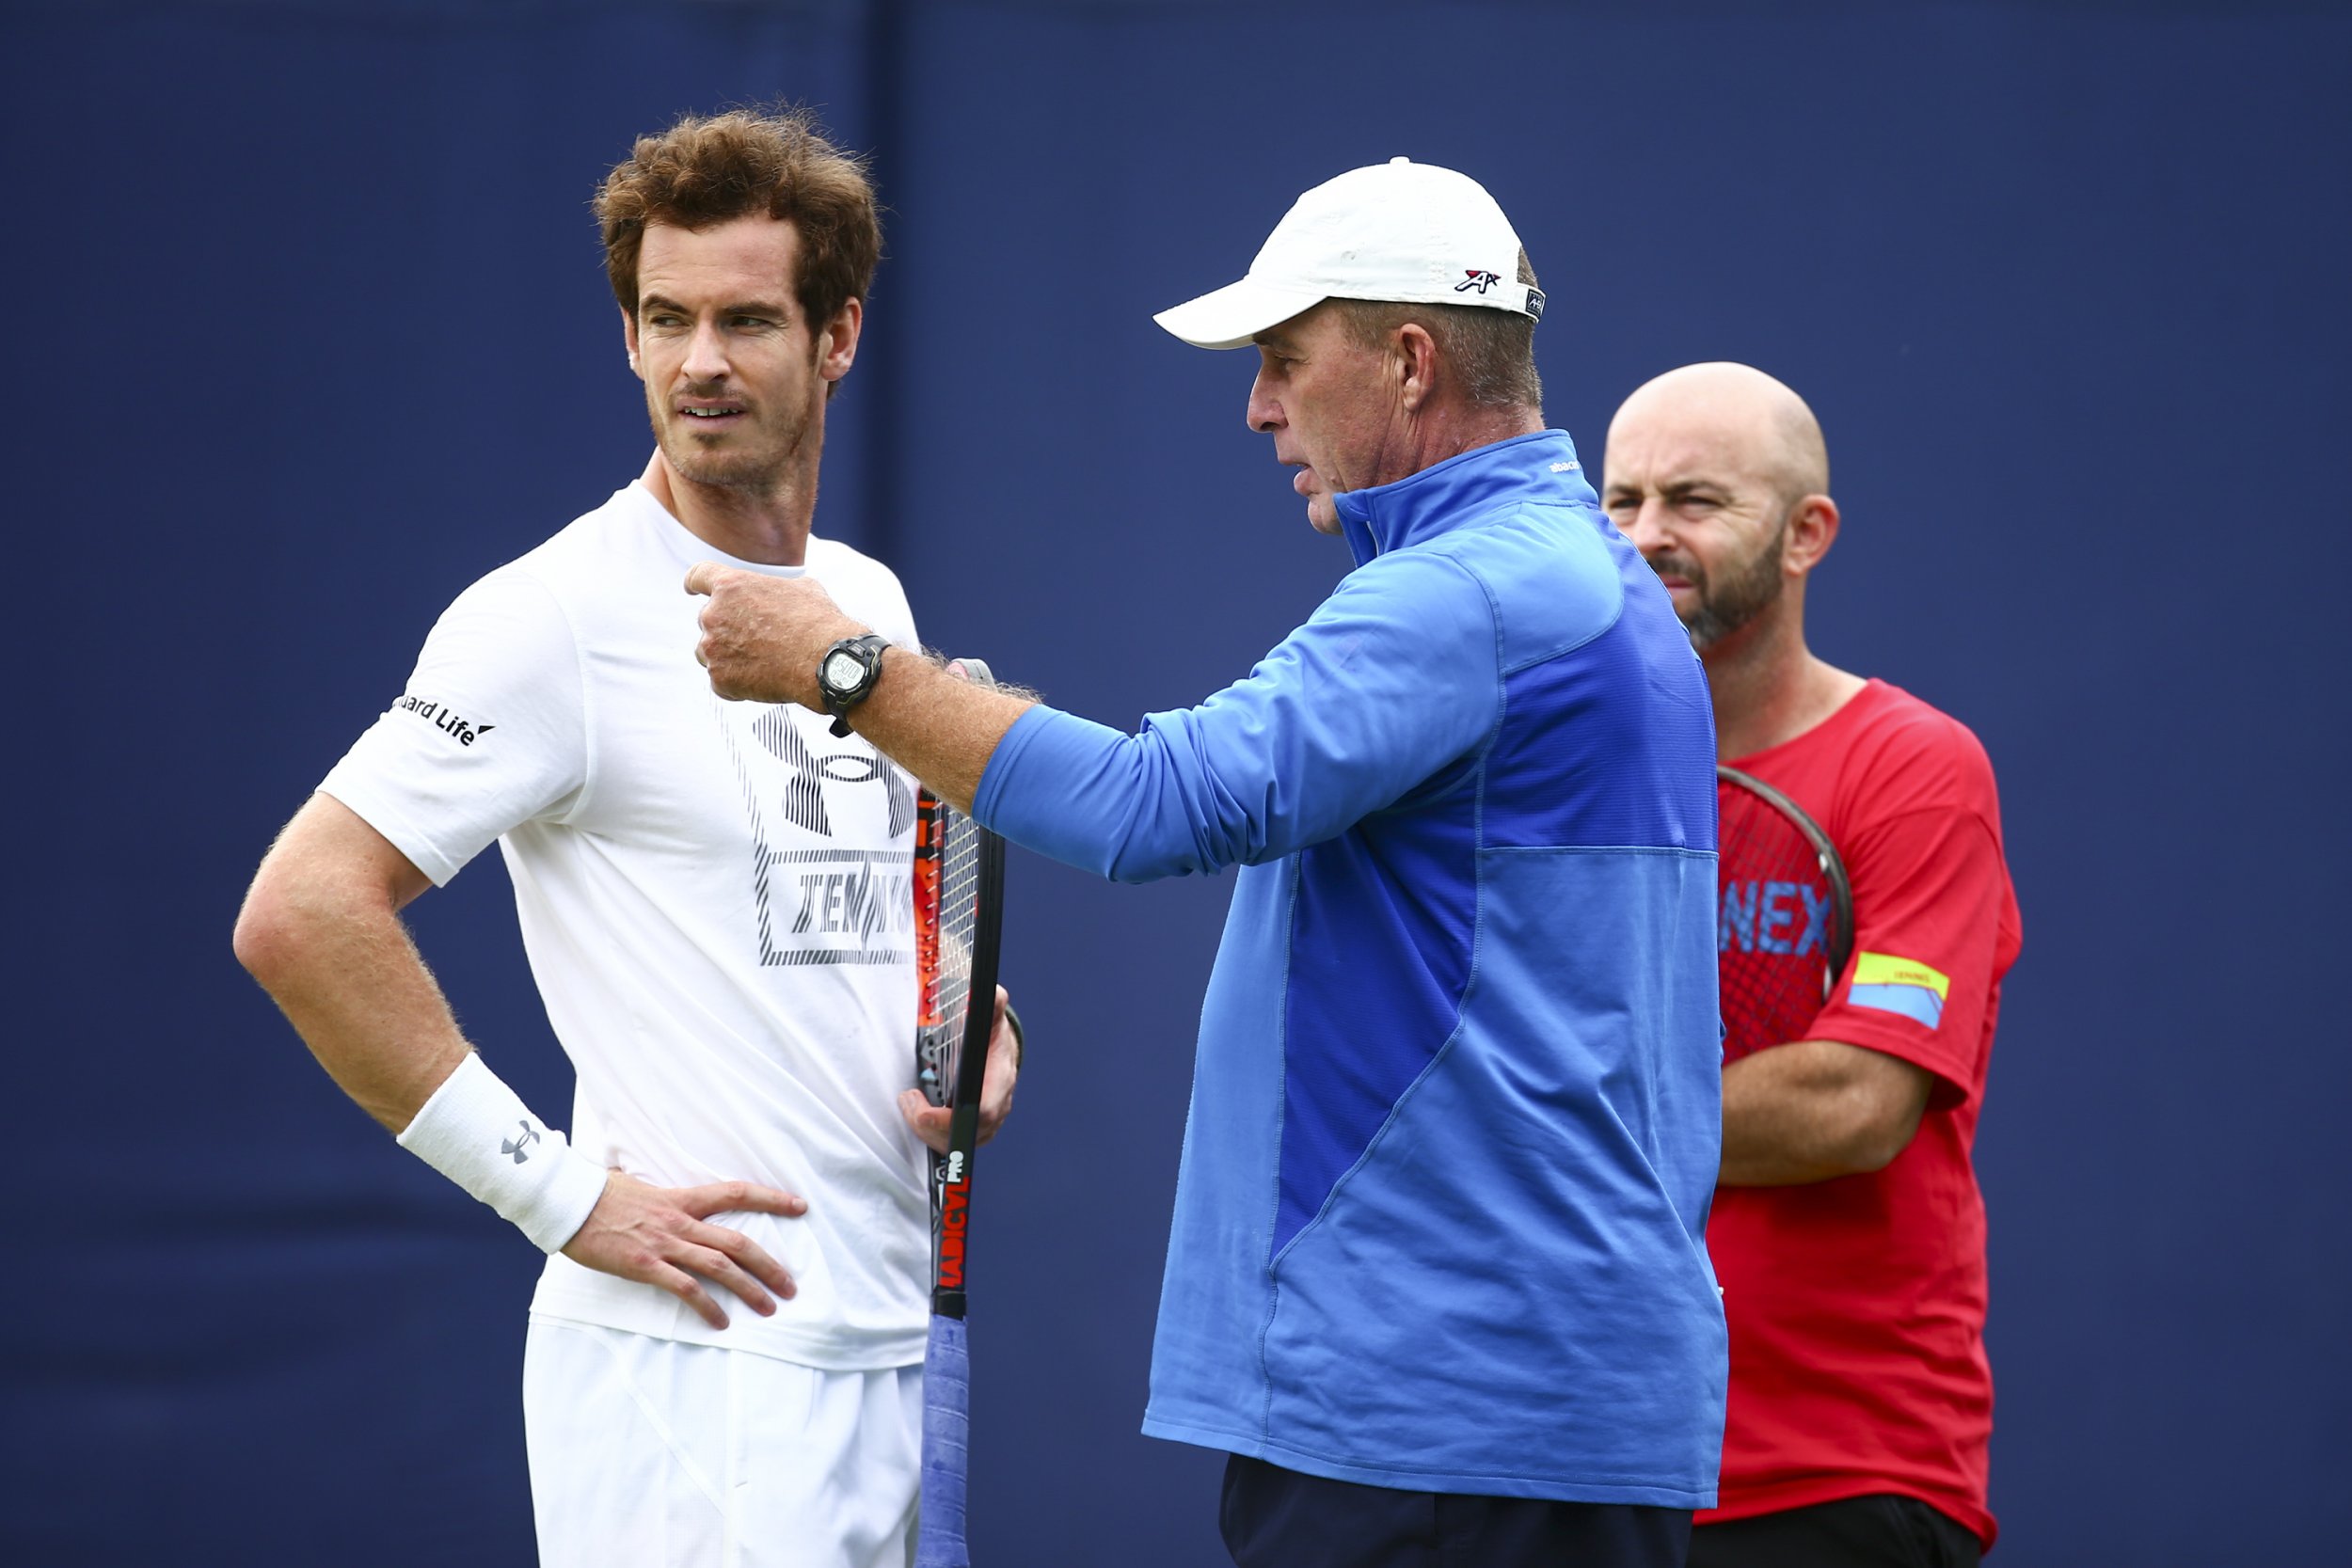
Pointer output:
x,y
804,795
1477,280
520,1146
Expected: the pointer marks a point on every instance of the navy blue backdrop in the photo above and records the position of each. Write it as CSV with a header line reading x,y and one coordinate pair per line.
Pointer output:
x,y
311,330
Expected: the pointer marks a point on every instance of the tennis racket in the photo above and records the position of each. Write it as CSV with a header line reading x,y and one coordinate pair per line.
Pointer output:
x,y
1784,927
959,907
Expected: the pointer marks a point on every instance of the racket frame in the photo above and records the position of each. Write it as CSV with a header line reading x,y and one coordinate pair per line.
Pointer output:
x,y
947,1358
951,1171
1838,950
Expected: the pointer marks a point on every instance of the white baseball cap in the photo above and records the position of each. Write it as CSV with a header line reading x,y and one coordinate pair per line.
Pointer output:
x,y
1399,231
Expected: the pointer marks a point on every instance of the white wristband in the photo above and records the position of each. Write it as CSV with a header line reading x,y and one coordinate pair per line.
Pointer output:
x,y
478,1132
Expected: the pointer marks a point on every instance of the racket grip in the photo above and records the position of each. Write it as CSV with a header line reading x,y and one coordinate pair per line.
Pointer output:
x,y
946,1429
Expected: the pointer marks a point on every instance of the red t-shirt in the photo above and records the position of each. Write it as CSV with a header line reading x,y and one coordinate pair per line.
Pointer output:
x,y
1856,1305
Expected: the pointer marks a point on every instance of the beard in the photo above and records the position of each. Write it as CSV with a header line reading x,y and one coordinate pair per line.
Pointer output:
x,y
1748,589
755,460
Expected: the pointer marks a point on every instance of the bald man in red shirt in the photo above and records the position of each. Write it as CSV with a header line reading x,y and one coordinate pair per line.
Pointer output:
x,y
1847,1231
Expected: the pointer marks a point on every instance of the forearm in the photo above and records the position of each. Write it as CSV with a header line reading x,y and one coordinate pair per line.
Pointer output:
x,y
763,636
321,930
326,940
1815,1110
361,997
934,724
1390,679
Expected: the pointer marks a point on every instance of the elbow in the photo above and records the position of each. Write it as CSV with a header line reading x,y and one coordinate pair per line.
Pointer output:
x,y
1134,867
1873,1142
1186,842
1178,856
285,926
1869,1157
1142,850
265,936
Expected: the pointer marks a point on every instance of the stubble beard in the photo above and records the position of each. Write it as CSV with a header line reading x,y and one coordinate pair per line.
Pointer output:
x,y
1737,600
760,469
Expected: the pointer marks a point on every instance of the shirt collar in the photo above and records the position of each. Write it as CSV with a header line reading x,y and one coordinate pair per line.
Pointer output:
x,y
1420,506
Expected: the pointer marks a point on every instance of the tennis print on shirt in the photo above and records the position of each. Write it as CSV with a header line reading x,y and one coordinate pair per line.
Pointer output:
x,y
831,856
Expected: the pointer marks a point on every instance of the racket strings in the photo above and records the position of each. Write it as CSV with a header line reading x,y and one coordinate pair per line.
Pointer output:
x,y
947,901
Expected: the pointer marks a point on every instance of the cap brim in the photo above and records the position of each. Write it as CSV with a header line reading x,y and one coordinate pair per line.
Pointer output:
x,y
1229,317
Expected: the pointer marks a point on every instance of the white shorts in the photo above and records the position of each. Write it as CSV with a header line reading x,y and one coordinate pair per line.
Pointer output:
x,y
650,1453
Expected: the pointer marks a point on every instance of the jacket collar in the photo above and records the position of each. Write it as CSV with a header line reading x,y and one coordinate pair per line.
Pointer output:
x,y
1442,496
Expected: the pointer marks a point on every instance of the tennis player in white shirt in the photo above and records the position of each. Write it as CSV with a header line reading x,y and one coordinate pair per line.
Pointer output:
x,y
724,1353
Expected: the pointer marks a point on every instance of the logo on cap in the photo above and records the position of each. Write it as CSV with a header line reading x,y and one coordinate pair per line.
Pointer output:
x,y
1478,280
1534,306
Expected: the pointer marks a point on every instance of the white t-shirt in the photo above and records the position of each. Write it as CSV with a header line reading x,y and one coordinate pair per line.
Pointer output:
x,y
715,899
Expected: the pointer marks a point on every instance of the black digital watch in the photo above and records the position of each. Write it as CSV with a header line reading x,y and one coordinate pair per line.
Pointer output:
x,y
847,674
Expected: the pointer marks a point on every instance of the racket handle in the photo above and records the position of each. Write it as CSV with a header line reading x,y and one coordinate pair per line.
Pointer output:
x,y
946,1429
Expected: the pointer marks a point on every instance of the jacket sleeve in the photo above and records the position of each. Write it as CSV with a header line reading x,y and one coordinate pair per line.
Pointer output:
x,y
1394,677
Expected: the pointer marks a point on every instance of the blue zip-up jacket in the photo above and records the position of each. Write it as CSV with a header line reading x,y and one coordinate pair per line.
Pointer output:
x,y
1456,1116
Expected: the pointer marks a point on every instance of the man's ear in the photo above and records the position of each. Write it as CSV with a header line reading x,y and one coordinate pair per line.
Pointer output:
x,y
1812,529
836,342
629,337
1413,358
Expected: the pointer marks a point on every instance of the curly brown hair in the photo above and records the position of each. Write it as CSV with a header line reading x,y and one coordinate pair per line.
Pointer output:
x,y
708,169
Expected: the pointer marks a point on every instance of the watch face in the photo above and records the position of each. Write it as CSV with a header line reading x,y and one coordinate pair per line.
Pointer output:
x,y
843,670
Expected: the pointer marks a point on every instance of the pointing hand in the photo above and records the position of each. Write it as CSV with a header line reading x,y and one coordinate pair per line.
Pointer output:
x,y
762,635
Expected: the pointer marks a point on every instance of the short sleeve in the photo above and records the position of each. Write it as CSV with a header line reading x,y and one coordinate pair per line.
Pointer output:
x,y
1930,895
490,732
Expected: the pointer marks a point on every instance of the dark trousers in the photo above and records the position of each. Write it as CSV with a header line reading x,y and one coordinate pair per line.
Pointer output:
x,y
1882,1531
1278,1518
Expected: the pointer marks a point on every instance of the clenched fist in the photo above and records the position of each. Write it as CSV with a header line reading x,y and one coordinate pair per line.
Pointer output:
x,y
762,635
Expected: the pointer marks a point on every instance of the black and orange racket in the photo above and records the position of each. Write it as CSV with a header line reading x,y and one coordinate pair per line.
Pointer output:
x,y
958,910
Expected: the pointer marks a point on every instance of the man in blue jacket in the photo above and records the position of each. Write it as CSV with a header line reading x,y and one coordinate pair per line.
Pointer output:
x,y
1438,1279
